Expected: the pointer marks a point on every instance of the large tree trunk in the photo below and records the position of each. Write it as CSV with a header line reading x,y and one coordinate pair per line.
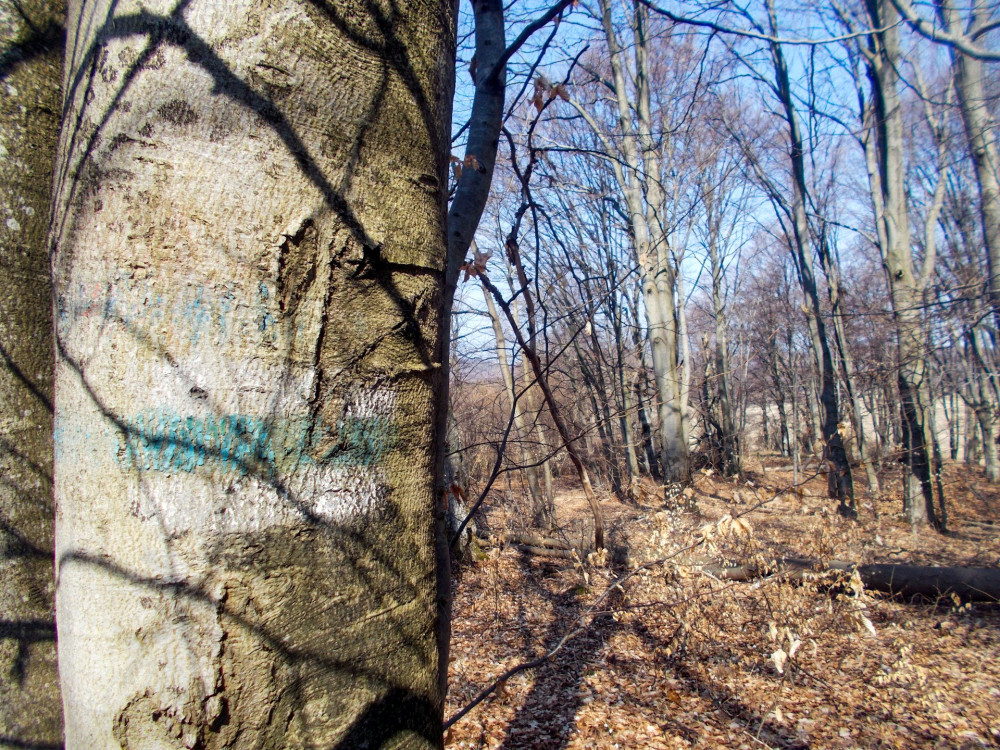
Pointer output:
x,y
31,41
931,582
658,295
884,153
659,284
840,483
249,254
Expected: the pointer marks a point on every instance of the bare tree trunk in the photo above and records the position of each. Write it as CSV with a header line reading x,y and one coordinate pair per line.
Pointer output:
x,y
973,445
638,174
784,434
956,428
541,512
884,150
831,270
464,213
544,445
795,446
249,235
684,361
815,431
645,429
31,48
731,460
981,397
640,388
980,129
987,426
951,416
840,481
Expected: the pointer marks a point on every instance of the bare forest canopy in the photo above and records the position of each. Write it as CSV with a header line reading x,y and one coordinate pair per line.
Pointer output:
x,y
315,315
717,230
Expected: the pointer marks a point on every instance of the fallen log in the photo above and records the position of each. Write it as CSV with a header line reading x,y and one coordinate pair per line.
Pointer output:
x,y
932,582
538,541
969,584
566,554
536,545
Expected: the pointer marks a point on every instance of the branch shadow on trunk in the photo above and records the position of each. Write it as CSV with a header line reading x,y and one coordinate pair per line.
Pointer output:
x,y
308,658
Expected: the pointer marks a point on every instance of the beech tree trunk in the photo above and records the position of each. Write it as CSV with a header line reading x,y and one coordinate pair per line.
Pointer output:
x,y
931,582
31,41
840,482
980,129
249,255
637,168
884,153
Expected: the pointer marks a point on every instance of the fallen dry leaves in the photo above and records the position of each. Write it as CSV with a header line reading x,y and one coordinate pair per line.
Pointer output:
x,y
673,658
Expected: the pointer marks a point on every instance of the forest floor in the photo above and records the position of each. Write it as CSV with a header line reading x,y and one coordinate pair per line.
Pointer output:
x,y
663,655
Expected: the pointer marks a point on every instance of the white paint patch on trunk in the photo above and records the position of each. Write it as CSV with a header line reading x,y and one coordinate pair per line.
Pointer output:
x,y
244,474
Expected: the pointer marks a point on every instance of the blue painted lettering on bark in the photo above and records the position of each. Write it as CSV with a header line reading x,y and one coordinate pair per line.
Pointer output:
x,y
198,310
158,440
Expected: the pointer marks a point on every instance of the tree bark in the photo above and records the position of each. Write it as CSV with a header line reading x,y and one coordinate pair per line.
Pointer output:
x,y
249,256
31,42
640,383
840,483
464,214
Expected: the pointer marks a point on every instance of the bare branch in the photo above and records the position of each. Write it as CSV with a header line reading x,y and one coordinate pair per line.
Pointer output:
x,y
935,33
720,29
